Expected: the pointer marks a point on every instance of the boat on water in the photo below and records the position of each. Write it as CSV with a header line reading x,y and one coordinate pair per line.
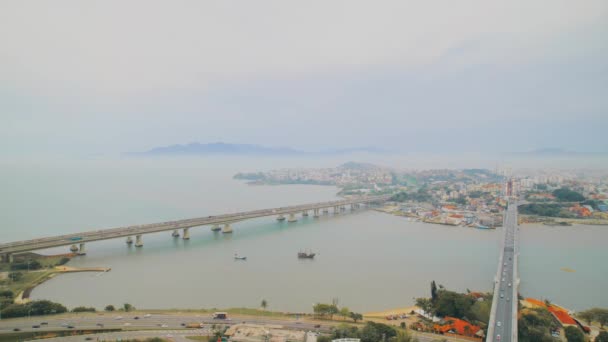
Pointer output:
x,y
306,255
481,226
236,257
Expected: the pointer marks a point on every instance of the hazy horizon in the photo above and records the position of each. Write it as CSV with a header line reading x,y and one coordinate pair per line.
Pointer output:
x,y
107,78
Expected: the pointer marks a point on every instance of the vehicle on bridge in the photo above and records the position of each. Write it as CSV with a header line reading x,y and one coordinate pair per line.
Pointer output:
x,y
78,238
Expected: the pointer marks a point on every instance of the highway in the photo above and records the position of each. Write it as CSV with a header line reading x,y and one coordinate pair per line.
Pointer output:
x,y
162,325
503,318
10,248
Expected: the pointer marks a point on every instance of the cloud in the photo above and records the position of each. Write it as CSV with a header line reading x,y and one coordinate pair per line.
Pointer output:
x,y
116,76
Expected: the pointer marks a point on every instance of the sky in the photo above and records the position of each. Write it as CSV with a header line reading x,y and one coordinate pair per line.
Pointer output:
x,y
107,77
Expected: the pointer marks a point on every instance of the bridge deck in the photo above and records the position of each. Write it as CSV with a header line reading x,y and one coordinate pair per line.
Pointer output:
x,y
503,317
104,234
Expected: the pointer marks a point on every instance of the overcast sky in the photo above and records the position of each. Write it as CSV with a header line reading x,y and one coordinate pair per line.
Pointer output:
x,y
107,77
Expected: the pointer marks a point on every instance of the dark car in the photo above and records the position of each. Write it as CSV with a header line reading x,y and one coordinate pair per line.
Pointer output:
x,y
183,324
88,338
317,325
35,326
70,327
16,329
100,325
136,317
44,323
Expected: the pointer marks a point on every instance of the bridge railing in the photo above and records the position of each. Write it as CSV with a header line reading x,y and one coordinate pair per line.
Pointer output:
x,y
101,234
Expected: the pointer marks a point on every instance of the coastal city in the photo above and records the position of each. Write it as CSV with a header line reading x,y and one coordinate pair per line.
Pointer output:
x,y
304,171
469,197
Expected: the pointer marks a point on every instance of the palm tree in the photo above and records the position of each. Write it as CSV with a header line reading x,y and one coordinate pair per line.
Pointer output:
x,y
264,304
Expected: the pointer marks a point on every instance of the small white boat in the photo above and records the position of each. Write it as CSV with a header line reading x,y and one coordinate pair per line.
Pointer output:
x,y
236,257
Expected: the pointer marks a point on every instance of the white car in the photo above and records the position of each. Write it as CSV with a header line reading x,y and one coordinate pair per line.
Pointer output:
x,y
147,315
498,324
118,318
127,324
509,284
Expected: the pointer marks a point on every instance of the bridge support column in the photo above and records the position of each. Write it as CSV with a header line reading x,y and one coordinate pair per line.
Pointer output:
x,y
186,235
227,229
175,233
336,210
8,258
315,213
139,242
129,241
292,218
325,211
342,208
305,213
81,250
281,218
216,228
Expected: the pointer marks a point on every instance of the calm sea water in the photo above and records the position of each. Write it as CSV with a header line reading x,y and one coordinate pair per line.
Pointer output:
x,y
368,260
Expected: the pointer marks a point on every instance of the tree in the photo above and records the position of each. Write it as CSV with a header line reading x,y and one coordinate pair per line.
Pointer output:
x,y
128,307
37,307
402,336
264,304
344,312
574,334
602,337
325,309
467,330
15,276
83,309
535,325
567,195
356,316
426,305
7,294
601,315
375,332
433,291
587,316
110,308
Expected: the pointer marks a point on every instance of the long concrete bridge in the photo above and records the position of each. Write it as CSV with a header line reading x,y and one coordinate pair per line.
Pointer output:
x,y
78,240
502,326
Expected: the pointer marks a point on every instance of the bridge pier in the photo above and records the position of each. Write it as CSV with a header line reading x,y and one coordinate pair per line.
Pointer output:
x,y
281,218
186,235
139,242
216,228
227,229
325,211
292,218
315,213
129,241
305,213
175,233
7,258
81,250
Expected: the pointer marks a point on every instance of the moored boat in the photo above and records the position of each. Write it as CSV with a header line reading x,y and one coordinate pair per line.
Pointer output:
x,y
306,255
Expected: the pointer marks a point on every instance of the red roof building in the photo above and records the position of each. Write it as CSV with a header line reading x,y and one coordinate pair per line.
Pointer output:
x,y
456,325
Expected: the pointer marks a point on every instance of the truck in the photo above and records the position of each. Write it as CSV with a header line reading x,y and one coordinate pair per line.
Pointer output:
x,y
220,315
194,325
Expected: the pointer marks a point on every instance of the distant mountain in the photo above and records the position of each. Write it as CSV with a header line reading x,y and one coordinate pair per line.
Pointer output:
x,y
220,148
